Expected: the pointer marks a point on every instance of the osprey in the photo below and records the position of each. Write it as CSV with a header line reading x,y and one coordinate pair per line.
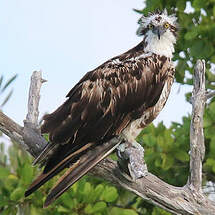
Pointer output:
x,y
118,98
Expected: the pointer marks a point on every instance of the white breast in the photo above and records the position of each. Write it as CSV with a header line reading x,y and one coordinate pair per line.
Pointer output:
x,y
134,128
163,46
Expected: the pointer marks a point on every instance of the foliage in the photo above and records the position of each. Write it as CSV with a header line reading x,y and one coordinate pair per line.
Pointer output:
x,y
166,151
87,196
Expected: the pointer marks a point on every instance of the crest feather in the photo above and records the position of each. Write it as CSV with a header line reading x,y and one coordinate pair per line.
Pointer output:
x,y
144,21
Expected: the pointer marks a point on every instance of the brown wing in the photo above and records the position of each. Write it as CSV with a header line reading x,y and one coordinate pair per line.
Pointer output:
x,y
99,107
104,100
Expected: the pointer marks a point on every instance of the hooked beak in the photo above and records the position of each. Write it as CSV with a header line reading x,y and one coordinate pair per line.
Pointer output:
x,y
159,30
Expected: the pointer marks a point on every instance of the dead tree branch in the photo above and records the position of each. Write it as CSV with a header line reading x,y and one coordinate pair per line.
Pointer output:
x,y
31,132
197,146
11,129
177,200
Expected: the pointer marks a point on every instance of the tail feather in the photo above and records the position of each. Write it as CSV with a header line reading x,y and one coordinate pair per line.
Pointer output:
x,y
79,169
44,177
45,154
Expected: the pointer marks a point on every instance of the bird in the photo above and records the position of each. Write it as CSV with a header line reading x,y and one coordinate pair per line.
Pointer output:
x,y
117,99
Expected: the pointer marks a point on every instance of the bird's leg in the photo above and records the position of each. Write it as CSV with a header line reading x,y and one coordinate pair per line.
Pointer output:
x,y
131,159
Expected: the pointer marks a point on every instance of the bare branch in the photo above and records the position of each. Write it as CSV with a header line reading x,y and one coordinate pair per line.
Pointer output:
x,y
197,147
177,200
31,132
210,94
34,97
11,129
28,136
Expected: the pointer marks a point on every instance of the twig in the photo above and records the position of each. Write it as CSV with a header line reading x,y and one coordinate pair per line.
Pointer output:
x,y
210,94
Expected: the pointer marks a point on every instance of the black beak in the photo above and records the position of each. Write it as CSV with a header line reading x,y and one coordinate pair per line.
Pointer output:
x,y
159,30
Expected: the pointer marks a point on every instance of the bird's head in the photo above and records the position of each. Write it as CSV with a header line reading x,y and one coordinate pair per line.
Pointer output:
x,y
159,24
160,32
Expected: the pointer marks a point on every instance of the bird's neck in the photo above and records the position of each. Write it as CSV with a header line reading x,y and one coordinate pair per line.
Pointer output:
x,y
163,46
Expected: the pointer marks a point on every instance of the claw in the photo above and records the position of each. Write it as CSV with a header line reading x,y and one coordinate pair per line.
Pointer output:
x,y
133,154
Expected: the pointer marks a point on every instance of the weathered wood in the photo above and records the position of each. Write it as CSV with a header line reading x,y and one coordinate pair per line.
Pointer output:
x,y
197,146
11,129
34,98
28,136
31,132
177,200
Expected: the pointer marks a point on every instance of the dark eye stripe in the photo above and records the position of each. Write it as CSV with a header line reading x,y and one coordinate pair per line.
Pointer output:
x,y
172,27
173,30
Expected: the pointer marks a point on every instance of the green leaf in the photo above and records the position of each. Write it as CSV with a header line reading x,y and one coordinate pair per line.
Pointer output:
x,y
191,34
214,10
7,98
62,209
27,173
181,155
17,194
46,136
122,211
87,188
99,207
167,161
87,193
8,83
110,194
67,201
129,212
158,162
97,192
88,209
1,80
116,211
148,140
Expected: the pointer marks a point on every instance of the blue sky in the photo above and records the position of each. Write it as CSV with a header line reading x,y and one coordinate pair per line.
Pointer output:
x,y
65,39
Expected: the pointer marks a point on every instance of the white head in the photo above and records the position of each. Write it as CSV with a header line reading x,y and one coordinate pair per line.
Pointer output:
x,y
160,32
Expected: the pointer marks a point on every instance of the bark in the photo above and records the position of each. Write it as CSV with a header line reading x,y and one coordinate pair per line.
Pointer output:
x,y
177,200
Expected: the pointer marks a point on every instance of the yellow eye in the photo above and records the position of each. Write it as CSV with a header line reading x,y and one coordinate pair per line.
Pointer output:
x,y
150,26
166,25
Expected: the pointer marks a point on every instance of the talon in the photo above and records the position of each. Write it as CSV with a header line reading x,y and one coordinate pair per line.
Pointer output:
x,y
133,153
